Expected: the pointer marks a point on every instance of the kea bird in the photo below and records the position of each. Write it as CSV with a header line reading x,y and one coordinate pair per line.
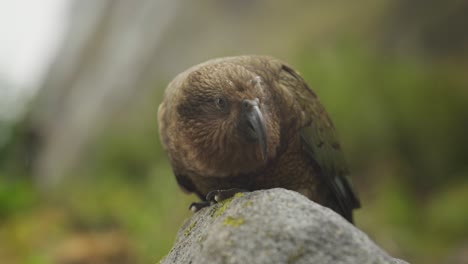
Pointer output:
x,y
249,123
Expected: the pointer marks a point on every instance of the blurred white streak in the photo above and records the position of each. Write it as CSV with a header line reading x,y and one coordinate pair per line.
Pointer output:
x,y
30,34
105,58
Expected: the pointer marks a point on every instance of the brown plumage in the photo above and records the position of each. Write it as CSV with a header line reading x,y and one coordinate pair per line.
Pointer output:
x,y
252,122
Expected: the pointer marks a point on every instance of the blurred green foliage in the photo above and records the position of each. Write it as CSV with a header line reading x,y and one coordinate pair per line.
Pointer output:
x,y
402,122
15,196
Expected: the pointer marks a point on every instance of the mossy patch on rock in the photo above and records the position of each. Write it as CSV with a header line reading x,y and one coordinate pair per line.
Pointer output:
x,y
234,221
190,228
224,204
248,203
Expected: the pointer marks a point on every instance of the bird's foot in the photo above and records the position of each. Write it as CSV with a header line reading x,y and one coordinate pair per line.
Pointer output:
x,y
213,197
217,196
196,206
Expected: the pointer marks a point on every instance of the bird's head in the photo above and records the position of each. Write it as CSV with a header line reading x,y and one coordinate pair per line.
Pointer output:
x,y
224,122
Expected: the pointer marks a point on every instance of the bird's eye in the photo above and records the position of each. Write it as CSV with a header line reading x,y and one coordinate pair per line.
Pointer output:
x,y
221,103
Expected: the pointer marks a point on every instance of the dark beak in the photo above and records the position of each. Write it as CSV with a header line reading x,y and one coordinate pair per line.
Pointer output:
x,y
253,124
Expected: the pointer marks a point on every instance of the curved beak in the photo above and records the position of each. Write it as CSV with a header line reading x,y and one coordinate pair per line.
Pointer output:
x,y
254,125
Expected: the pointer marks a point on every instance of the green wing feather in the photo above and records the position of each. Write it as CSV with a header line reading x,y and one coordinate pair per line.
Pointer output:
x,y
321,143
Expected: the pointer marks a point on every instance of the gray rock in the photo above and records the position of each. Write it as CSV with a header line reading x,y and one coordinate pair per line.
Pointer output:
x,y
272,226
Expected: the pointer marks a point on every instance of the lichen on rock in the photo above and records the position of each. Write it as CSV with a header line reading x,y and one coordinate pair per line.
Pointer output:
x,y
233,221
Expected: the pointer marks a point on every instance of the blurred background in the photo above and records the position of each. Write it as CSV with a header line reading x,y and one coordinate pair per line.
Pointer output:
x,y
83,178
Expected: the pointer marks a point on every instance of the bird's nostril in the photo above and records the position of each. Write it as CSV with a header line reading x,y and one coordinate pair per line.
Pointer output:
x,y
245,105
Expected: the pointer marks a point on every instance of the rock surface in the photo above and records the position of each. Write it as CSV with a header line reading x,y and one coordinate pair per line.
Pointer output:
x,y
272,226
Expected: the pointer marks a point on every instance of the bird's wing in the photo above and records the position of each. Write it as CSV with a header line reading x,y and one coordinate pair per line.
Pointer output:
x,y
320,141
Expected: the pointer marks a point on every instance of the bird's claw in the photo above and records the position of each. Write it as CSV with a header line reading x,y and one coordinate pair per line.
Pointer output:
x,y
217,196
214,197
196,206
